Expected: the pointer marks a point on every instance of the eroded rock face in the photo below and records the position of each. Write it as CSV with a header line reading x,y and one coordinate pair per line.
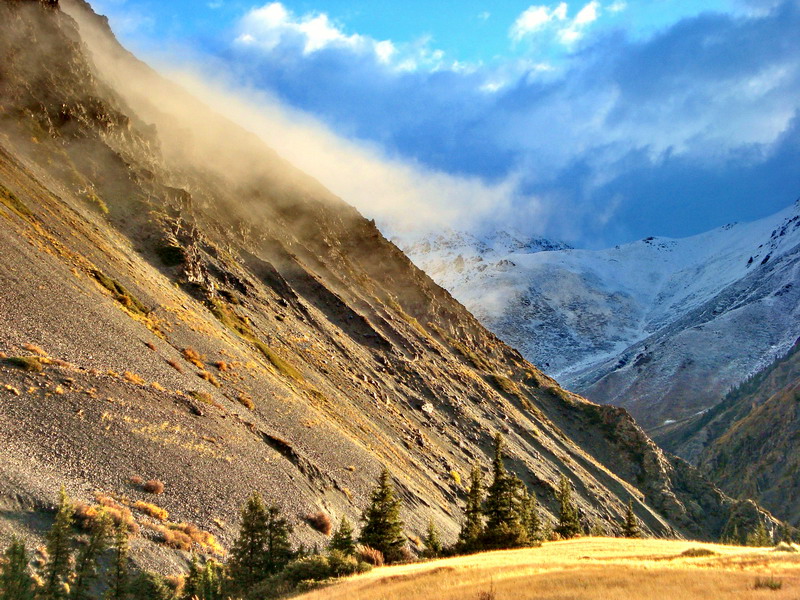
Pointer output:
x,y
280,344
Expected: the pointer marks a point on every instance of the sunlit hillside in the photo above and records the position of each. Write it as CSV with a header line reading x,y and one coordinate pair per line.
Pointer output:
x,y
586,569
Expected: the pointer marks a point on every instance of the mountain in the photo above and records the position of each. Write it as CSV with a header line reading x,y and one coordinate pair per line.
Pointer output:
x,y
748,444
179,304
663,327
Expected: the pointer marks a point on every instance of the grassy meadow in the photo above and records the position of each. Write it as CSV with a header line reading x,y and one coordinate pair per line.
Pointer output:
x,y
586,569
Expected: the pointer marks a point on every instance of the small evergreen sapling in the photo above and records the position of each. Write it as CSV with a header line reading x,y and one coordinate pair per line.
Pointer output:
x,y
630,528
342,539
433,544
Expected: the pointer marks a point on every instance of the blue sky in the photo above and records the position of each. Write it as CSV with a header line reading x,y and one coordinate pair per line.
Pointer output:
x,y
600,121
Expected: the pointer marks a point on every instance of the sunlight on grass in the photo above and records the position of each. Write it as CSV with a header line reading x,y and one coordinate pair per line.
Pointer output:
x,y
587,568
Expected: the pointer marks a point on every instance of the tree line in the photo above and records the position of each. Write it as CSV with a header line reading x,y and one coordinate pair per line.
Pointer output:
x,y
262,562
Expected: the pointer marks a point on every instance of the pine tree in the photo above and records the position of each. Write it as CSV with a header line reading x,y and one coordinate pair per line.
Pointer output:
x,y
383,529
531,520
278,551
734,538
59,551
118,575
150,586
433,545
212,581
759,537
16,582
472,528
342,539
568,523
193,582
89,554
504,507
630,528
247,565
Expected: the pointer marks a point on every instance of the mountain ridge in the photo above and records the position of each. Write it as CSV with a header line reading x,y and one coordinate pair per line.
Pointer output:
x,y
595,319
208,316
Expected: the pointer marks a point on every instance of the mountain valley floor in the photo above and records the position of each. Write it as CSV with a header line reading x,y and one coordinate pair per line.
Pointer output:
x,y
586,569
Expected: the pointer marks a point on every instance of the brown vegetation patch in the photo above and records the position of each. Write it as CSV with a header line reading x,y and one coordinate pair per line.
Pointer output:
x,y
320,521
194,357
151,509
153,486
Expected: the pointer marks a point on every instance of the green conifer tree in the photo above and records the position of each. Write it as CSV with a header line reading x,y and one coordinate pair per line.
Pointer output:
x,y
247,564
57,568
472,528
118,574
433,544
212,581
150,586
88,555
630,528
193,582
278,551
504,507
342,539
568,523
383,529
759,537
16,582
532,521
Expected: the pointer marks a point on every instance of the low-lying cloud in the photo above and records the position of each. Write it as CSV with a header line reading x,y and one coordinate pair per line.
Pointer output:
x,y
619,136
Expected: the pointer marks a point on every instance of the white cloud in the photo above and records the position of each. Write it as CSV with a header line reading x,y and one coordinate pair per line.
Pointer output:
x,y
617,6
273,23
535,18
588,14
484,16
575,30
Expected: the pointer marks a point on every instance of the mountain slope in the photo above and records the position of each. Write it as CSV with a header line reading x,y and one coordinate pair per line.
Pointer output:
x,y
662,327
179,303
748,444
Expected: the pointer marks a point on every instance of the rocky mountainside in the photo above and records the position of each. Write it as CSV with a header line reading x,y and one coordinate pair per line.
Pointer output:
x,y
662,327
180,304
748,444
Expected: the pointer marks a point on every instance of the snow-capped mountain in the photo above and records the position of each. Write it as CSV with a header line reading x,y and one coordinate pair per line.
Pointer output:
x,y
661,326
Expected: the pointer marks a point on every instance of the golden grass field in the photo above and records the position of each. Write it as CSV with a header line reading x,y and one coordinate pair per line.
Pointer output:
x,y
586,568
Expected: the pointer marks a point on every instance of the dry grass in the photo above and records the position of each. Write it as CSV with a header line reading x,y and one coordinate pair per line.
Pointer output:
x,y
209,377
154,486
133,378
194,357
35,349
175,365
584,569
151,509
245,401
